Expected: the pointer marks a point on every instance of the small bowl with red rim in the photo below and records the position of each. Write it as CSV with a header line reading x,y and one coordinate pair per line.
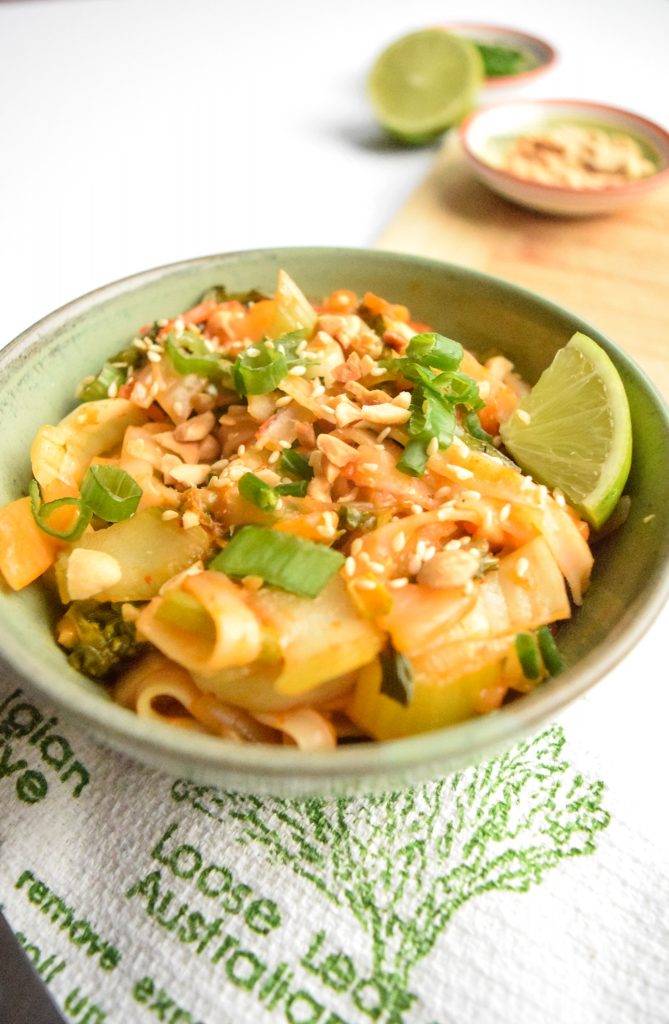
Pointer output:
x,y
511,57
488,134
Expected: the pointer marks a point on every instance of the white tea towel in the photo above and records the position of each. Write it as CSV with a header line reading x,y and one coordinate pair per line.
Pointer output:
x,y
533,888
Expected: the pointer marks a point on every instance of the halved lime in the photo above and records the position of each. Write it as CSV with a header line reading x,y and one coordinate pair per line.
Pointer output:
x,y
574,431
423,83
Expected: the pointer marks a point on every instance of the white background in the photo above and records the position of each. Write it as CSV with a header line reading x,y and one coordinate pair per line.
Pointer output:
x,y
138,132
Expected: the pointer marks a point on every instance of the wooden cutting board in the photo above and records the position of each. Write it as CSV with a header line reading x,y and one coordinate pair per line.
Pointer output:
x,y
612,270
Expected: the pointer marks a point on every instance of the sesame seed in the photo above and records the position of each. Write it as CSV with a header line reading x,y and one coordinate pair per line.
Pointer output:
x,y
370,467
484,388
350,566
430,552
403,399
526,484
559,498
302,347
251,351
459,472
365,557
420,548
112,390
317,391
471,495
168,514
297,371
523,416
274,457
414,565
487,519
140,344
505,512
433,446
284,444
461,448
649,519
443,492
367,584
356,546
416,509
522,566
384,434
543,493
284,400
154,357
269,344
377,567
162,322
398,542
453,545
377,371
400,581
279,504
242,449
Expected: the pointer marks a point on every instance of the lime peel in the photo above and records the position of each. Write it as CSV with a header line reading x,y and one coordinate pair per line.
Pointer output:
x,y
574,430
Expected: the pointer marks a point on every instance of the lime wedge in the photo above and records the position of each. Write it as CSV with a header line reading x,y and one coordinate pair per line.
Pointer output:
x,y
423,83
574,431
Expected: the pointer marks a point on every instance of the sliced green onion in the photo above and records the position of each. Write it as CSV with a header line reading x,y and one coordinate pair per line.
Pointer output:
x,y
432,349
258,370
473,427
397,681
185,611
41,512
98,388
258,492
289,343
188,354
529,656
549,651
414,458
352,518
459,389
296,464
294,490
280,559
110,493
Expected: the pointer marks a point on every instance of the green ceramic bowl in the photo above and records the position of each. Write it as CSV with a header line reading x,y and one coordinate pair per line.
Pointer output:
x,y
38,373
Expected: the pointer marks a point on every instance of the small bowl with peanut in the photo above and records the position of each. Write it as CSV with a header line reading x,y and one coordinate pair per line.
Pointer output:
x,y
568,157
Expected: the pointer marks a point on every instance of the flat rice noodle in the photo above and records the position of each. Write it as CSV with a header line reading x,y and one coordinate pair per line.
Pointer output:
x,y
419,614
507,603
234,640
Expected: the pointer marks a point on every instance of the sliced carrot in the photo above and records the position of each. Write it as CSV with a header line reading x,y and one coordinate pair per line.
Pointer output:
x,y
384,308
342,301
25,550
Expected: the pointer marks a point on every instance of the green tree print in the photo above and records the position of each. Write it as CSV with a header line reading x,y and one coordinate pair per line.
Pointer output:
x,y
404,862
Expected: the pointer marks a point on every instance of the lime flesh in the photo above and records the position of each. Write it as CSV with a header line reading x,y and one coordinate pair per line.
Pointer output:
x,y
574,431
423,83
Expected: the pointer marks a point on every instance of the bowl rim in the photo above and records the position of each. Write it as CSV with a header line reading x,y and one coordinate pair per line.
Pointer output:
x,y
630,188
495,81
458,744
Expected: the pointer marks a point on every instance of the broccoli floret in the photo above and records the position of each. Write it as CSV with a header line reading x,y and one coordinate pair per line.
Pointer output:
x,y
98,638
